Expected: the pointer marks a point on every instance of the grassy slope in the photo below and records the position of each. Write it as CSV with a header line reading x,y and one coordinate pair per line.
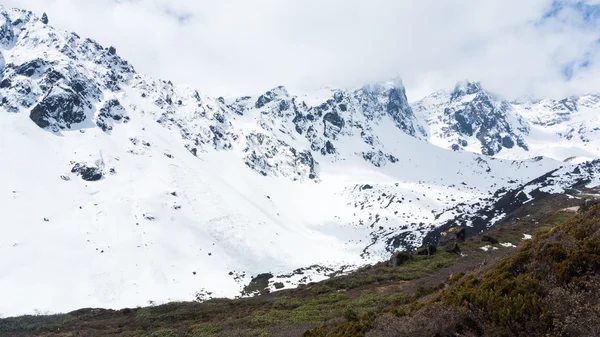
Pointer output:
x,y
369,299
548,287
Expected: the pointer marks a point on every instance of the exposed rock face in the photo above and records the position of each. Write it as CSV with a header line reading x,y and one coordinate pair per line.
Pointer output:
x,y
33,68
469,115
111,113
45,18
59,109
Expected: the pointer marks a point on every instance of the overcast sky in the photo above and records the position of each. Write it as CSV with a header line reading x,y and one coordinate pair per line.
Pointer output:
x,y
234,47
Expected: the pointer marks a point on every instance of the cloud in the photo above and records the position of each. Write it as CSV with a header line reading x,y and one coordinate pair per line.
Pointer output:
x,y
233,47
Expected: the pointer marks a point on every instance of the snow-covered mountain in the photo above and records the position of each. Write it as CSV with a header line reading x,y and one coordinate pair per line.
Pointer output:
x,y
473,119
118,189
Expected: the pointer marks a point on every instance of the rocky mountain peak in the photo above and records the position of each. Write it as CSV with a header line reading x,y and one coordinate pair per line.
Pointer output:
x,y
470,118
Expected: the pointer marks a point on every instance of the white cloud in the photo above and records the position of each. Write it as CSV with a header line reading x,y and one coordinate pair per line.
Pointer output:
x,y
234,47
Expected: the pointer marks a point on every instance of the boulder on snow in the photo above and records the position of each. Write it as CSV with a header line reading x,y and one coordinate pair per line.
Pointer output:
x,y
87,173
45,18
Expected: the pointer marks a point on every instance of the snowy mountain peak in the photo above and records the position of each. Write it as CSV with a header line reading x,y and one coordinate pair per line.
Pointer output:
x,y
473,119
278,92
464,88
392,83
470,118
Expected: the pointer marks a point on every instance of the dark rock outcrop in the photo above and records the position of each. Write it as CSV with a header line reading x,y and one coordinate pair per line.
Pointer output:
x,y
454,234
399,259
59,109
32,68
111,113
87,173
427,251
258,284
452,248
334,124
450,239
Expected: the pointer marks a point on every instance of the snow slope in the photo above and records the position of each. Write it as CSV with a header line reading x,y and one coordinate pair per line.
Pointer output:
x,y
118,189
576,182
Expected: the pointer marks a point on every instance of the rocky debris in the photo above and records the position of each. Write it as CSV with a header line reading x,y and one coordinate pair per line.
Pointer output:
x,y
203,295
399,258
268,156
151,217
87,173
379,159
